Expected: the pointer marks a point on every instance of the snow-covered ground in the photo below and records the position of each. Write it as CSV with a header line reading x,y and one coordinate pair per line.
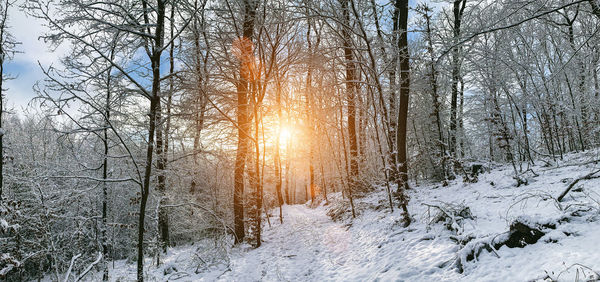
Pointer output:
x,y
310,246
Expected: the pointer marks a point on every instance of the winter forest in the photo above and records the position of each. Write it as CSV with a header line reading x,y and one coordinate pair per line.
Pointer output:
x,y
299,140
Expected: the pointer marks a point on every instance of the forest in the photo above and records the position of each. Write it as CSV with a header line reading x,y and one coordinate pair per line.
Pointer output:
x,y
299,140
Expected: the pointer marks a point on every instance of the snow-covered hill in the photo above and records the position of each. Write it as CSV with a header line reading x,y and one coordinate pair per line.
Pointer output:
x,y
469,241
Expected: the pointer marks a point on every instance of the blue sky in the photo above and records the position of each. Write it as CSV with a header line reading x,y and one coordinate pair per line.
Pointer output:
x,y
24,66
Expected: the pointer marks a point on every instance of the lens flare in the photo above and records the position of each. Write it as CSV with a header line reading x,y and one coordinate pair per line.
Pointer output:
x,y
285,134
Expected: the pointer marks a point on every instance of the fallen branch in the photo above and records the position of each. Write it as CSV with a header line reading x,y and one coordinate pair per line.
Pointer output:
x,y
586,177
89,267
71,267
451,215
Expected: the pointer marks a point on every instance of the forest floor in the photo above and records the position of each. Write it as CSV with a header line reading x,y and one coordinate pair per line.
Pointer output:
x,y
467,245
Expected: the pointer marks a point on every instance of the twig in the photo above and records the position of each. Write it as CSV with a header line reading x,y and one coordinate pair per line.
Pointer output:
x,y
586,177
583,267
180,275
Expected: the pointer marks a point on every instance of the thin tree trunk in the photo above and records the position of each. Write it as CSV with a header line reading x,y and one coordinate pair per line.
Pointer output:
x,y
257,179
154,109
309,118
461,110
458,9
105,143
434,92
343,141
2,56
393,98
323,180
287,173
200,101
383,162
596,95
277,157
575,118
388,119
162,151
351,94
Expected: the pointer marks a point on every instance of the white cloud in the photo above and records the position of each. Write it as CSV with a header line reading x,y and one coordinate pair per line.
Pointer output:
x,y
27,30
24,66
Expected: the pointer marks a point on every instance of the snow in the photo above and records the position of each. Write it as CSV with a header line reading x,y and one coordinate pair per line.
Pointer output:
x,y
3,225
310,246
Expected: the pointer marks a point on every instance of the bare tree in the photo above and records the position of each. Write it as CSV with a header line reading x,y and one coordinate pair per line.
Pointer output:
x,y
245,49
401,7
7,46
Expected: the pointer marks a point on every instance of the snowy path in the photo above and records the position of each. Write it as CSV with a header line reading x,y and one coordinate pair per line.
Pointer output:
x,y
309,246
306,245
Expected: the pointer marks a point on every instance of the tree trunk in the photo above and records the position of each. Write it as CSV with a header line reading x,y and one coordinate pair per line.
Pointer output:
x,y
458,9
351,89
256,179
433,84
287,173
342,140
162,147
154,109
404,55
200,101
2,56
309,118
277,157
243,120
105,143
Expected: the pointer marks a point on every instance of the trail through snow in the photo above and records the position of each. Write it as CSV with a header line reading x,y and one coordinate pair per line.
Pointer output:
x,y
309,246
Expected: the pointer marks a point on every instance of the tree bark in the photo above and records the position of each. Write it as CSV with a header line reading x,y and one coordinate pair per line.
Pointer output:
x,y
154,109
200,101
458,9
433,84
243,120
277,157
105,143
351,78
162,146
404,55
2,56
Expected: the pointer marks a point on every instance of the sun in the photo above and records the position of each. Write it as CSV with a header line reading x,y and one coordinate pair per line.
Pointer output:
x,y
285,134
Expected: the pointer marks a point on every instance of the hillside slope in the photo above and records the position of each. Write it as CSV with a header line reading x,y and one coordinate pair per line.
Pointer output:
x,y
472,241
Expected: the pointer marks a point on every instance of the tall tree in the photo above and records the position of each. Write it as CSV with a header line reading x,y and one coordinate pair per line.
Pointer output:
x,y
154,52
246,57
401,7
458,9
309,110
351,91
7,45
426,12
162,142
